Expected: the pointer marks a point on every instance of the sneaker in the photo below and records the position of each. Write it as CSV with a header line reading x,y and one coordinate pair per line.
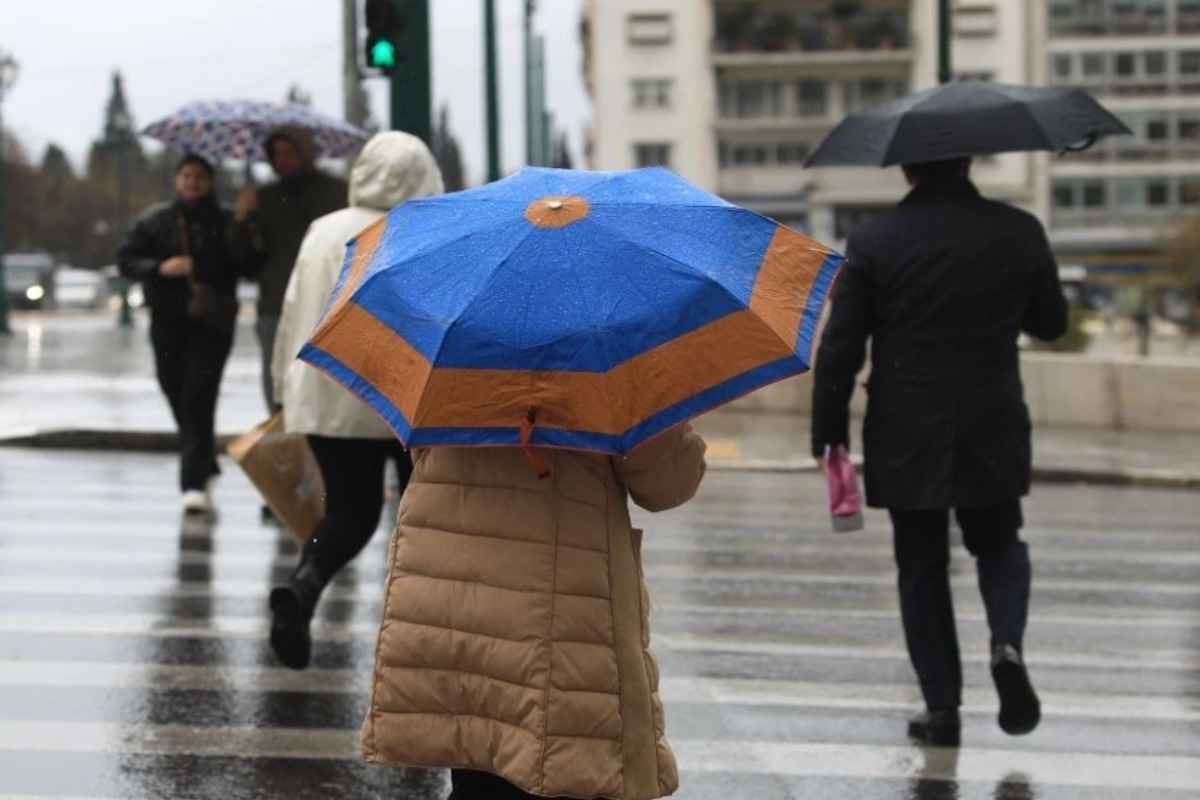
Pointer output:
x,y
939,728
195,501
1020,710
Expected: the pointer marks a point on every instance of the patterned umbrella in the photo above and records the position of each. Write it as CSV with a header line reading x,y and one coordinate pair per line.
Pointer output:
x,y
220,129
566,308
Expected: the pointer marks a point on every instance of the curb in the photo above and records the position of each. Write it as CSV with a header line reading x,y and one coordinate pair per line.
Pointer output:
x,y
167,442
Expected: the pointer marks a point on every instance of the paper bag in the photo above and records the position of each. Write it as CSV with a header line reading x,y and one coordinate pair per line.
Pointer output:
x,y
282,467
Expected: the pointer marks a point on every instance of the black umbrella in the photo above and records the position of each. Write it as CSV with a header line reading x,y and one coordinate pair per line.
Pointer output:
x,y
964,119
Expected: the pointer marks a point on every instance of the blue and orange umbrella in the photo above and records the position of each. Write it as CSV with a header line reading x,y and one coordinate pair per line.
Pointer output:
x,y
569,309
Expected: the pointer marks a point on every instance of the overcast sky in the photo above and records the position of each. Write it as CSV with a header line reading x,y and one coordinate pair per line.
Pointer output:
x,y
171,52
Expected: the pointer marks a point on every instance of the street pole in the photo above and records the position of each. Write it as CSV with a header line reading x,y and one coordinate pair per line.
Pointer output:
x,y
8,76
125,319
492,98
411,94
945,69
352,104
530,130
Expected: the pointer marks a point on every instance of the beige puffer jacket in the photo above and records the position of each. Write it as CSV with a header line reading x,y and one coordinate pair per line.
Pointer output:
x,y
515,634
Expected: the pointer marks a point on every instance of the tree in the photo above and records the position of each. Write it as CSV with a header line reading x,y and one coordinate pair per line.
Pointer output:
x,y
448,153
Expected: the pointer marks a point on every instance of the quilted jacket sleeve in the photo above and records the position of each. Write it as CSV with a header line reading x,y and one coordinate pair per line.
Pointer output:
x,y
665,471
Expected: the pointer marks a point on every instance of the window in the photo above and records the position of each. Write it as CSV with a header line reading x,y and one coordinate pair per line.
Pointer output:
x,y
750,99
791,153
1156,63
1063,195
654,93
1158,193
812,98
1093,65
868,92
1062,66
1189,63
654,154
650,29
1189,131
1094,194
1125,65
1130,193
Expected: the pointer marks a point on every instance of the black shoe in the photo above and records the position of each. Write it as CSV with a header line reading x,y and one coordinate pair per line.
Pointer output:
x,y
1020,710
292,609
940,728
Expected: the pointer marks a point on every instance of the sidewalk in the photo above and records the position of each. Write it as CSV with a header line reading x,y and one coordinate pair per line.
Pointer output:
x,y
79,381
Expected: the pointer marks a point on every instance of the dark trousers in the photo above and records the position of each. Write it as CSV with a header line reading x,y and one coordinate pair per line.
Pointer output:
x,y
467,784
353,470
922,547
189,359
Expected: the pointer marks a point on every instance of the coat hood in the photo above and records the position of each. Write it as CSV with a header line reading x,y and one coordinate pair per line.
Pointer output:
x,y
393,167
302,138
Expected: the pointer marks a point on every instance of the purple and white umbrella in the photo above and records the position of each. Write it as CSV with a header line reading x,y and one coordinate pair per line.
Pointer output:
x,y
221,129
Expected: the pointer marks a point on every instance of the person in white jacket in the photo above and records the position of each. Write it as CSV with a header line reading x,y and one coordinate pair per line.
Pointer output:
x,y
351,444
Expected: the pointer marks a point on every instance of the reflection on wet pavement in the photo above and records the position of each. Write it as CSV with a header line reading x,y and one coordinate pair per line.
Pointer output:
x,y
133,657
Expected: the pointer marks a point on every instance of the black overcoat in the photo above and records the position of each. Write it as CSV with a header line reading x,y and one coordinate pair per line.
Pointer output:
x,y
942,285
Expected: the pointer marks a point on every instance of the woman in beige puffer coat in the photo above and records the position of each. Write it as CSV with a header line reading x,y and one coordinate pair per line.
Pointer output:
x,y
514,647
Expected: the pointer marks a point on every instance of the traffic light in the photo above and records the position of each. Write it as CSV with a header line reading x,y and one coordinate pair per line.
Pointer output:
x,y
385,27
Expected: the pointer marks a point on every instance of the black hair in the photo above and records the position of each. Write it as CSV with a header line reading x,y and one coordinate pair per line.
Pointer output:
x,y
937,170
199,161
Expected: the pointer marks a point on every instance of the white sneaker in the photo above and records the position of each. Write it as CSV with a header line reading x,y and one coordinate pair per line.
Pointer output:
x,y
195,501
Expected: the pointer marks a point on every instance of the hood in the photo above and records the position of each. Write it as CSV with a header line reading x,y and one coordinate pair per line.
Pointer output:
x,y
393,167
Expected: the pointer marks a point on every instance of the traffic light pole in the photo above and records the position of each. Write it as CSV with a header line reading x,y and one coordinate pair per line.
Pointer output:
x,y
411,94
945,69
493,95
4,328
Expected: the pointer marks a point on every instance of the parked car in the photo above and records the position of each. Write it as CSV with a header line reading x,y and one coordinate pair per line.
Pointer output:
x,y
29,280
80,288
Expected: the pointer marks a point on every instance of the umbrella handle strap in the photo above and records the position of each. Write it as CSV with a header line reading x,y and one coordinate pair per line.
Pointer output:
x,y
537,462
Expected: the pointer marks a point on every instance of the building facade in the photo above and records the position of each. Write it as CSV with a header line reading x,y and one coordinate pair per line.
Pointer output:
x,y
1115,207
735,94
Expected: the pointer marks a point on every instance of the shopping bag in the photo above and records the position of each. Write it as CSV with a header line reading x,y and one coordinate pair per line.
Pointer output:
x,y
282,467
845,503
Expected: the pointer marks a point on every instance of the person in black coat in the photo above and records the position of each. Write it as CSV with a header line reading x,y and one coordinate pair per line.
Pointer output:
x,y
178,249
943,285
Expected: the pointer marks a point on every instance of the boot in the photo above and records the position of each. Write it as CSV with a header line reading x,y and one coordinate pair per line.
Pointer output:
x,y
292,609
1020,709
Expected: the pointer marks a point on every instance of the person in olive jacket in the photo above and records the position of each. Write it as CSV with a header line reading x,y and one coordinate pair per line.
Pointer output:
x,y
270,223
943,285
172,248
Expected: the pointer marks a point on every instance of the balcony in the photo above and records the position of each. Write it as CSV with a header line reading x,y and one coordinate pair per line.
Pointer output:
x,y
747,31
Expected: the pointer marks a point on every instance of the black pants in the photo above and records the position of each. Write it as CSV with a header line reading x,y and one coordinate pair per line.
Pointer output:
x,y
467,784
353,470
189,359
922,545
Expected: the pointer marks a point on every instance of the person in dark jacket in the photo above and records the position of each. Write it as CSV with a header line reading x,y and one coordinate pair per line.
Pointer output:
x,y
172,248
270,223
943,285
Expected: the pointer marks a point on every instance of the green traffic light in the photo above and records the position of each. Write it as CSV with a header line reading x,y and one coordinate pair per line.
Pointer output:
x,y
383,54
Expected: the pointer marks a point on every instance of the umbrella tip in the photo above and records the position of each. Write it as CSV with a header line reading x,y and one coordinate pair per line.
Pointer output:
x,y
555,204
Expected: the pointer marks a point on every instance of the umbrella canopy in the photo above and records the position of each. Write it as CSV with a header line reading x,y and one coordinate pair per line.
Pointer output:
x,y
567,308
965,119
220,129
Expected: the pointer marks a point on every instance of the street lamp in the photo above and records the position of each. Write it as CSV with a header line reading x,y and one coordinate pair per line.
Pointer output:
x,y
123,128
8,76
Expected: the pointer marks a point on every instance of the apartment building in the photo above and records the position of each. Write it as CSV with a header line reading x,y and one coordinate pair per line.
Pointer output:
x,y
1115,205
735,94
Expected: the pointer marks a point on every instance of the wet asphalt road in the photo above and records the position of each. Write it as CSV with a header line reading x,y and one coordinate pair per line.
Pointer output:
x,y
133,659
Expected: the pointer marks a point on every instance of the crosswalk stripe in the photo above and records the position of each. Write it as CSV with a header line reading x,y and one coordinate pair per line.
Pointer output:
x,y
720,691
696,757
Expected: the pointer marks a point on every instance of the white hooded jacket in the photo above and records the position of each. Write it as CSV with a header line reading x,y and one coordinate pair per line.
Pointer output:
x,y
393,167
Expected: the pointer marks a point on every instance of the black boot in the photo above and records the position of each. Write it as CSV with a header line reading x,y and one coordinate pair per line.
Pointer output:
x,y
938,727
1020,710
291,613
